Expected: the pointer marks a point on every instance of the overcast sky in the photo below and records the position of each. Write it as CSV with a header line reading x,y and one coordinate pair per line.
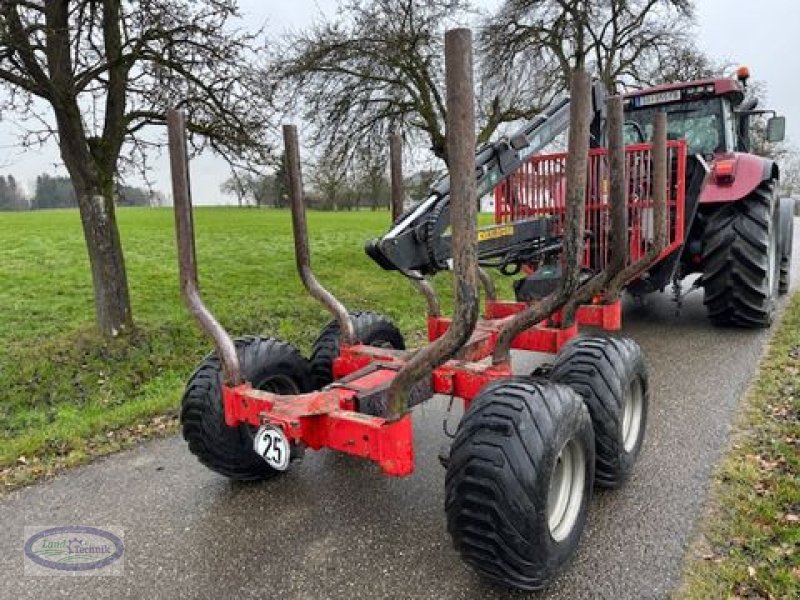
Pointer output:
x,y
761,34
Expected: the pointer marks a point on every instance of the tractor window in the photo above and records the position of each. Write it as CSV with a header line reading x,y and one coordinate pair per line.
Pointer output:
x,y
700,122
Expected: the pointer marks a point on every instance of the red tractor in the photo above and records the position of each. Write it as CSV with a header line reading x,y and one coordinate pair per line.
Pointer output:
x,y
737,233
734,231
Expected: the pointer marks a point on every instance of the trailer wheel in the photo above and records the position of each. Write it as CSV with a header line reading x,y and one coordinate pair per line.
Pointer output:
x,y
268,365
741,258
519,481
371,329
787,237
611,376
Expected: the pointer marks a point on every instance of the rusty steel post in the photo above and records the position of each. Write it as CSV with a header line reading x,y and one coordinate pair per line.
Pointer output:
x,y
187,258
618,196
421,284
396,171
660,181
487,283
604,282
300,230
610,281
424,287
463,212
574,218
659,197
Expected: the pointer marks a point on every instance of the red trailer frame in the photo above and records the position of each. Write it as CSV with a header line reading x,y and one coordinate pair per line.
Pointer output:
x,y
330,419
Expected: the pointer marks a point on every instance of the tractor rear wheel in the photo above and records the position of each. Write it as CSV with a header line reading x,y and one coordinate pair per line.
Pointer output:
x,y
268,365
741,258
371,328
787,237
519,481
611,376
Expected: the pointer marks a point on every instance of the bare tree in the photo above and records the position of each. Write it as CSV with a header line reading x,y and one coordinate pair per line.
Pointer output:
x,y
617,40
377,67
370,180
236,186
683,62
262,189
106,70
329,179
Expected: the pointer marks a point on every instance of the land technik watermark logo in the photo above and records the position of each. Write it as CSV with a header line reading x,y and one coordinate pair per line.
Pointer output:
x,y
74,550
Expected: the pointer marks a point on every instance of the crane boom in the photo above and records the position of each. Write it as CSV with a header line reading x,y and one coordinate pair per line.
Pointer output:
x,y
417,240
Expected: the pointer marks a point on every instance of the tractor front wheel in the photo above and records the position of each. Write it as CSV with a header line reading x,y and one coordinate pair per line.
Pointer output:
x,y
268,365
371,329
519,481
741,260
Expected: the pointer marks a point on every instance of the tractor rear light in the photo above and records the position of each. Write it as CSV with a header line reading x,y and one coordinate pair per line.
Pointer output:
x,y
724,171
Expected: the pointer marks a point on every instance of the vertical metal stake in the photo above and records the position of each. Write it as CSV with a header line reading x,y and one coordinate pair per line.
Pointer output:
x,y
463,212
396,170
618,195
422,285
187,259
300,229
574,220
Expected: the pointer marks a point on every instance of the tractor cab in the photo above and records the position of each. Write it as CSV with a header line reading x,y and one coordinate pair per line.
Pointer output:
x,y
712,115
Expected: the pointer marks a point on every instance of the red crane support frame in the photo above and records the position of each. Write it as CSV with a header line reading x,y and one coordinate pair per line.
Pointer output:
x,y
537,189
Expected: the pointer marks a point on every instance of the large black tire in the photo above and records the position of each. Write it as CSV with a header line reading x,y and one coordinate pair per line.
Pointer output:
x,y
513,442
787,238
741,260
371,329
268,365
611,376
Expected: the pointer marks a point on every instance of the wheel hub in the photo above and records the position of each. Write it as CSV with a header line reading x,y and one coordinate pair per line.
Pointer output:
x,y
565,494
632,415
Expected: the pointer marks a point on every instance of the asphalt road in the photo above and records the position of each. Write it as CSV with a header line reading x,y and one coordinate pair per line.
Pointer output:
x,y
334,528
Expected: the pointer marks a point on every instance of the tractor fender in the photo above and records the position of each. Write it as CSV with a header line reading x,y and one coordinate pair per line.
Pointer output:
x,y
749,171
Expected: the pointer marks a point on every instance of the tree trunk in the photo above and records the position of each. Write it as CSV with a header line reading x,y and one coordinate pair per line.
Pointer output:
x,y
112,302
93,181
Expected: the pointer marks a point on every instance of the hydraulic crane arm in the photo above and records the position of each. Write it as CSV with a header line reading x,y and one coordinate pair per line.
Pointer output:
x,y
417,241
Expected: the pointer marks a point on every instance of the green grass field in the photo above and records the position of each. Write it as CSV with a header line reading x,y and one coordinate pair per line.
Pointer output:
x,y
62,388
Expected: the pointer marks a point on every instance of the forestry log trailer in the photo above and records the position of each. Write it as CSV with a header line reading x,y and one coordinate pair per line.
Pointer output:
x,y
528,450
